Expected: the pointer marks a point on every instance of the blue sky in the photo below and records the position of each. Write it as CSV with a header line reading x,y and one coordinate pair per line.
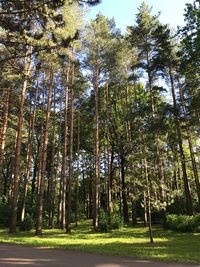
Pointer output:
x,y
124,11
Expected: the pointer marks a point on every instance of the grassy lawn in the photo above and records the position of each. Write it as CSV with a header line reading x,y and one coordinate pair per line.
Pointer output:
x,y
134,242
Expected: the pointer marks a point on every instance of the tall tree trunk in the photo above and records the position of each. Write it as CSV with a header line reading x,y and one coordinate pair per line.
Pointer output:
x,y
43,160
129,140
189,137
3,131
78,164
58,161
64,155
97,171
107,152
14,202
69,184
53,167
28,154
189,207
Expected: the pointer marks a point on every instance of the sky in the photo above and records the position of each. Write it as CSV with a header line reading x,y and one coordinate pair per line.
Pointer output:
x,y
124,11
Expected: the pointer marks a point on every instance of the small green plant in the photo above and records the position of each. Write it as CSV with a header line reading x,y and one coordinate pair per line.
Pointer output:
x,y
103,221
27,224
116,221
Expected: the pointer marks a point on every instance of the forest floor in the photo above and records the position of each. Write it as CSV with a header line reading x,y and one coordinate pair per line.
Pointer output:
x,y
168,246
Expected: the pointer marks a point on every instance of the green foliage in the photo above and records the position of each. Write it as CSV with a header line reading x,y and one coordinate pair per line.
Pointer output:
x,y
27,224
103,221
112,222
183,223
116,221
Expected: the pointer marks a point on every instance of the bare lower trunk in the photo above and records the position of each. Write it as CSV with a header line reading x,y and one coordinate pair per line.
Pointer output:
x,y
78,166
43,161
14,203
68,222
64,156
3,131
192,154
148,200
189,207
28,154
53,169
97,181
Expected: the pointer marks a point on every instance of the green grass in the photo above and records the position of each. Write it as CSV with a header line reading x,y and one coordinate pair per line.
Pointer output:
x,y
134,242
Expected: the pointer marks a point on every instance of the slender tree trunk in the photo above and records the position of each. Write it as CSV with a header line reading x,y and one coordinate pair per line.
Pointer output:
x,y
3,130
97,171
43,160
58,163
124,195
53,167
189,137
64,156
78,164
28,154
68,221
107,152
14,204
189,208
148,199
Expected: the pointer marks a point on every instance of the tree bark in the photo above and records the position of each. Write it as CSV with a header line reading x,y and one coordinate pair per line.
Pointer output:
x,y
189,207
14,202
43,160
3,131
28,154
64,156
97,171
68,221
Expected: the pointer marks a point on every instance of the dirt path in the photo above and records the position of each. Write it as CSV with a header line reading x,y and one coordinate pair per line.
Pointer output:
x,y
15,256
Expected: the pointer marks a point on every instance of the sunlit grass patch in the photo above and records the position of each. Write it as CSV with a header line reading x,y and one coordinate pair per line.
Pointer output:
x,y
134,242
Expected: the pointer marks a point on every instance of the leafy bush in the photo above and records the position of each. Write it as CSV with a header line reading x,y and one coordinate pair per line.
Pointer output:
x,y
27,224
103,221
183,223
116,221
106,222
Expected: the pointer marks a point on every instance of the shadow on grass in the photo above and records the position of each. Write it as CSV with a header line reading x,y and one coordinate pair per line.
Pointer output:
x,y
134,242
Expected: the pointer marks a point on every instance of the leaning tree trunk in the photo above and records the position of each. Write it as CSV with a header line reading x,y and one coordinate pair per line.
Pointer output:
x,y
189,208
43,161
14,202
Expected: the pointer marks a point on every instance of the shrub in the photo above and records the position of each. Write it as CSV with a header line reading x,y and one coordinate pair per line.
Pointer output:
x,y
183,223
116,221
27,224
103,221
